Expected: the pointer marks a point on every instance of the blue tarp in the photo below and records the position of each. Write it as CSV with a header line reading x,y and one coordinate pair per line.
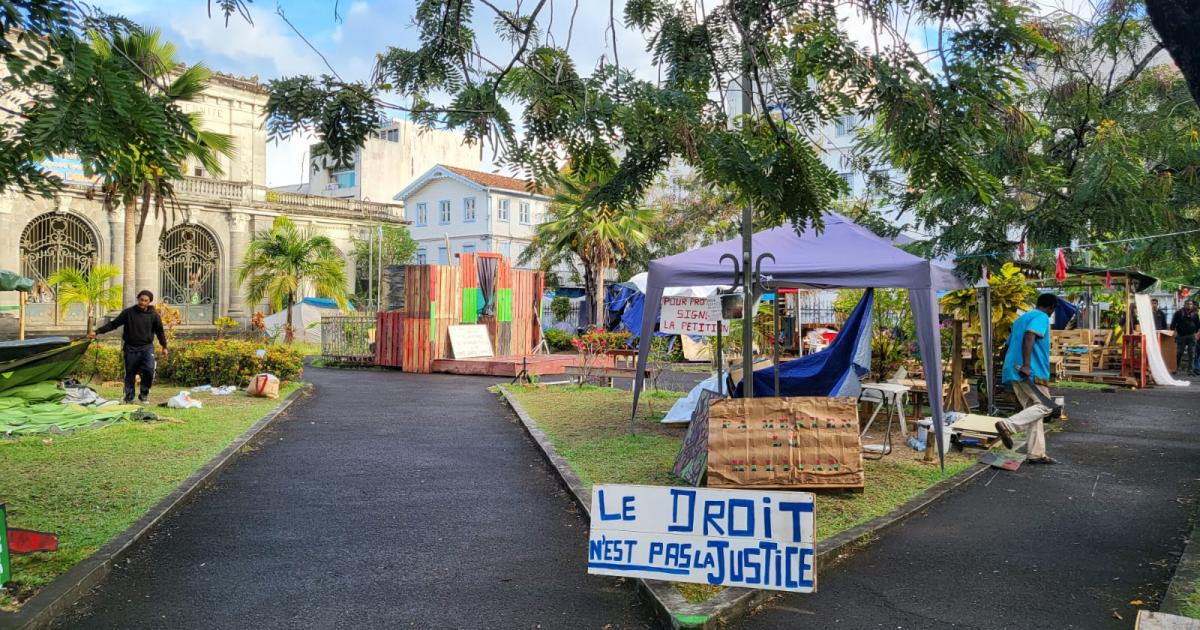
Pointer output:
x,y
831,372
1064,312
324,302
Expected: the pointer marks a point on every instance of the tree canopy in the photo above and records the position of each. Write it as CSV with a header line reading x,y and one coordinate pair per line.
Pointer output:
x,y
1103,144
538,108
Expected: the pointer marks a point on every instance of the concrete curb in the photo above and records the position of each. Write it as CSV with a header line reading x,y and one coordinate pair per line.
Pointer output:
x,y
672,609
58,596
1187,573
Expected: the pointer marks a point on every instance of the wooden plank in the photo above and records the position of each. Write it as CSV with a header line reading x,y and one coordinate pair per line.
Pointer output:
x,y
1151,620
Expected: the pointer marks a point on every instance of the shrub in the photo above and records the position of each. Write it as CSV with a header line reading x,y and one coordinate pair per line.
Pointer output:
x,y
102,362
227,362
560,307
558,339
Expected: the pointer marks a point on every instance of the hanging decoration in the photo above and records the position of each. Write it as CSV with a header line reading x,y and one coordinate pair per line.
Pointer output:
x,y
1060,265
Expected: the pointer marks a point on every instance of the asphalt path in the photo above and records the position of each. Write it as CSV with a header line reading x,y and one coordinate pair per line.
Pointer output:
x,y
385,500
1066,546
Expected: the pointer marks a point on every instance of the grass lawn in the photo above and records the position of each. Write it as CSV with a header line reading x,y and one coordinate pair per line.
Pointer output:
x,y
90,485
1191,606
590,428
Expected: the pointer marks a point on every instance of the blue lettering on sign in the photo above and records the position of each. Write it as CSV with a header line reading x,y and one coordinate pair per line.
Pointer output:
x,y
626,513
796,508
713,510
688,525
747,507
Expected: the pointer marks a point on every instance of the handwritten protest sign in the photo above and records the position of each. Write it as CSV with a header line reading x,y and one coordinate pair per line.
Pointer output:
x,y
748,538
691,316
470,341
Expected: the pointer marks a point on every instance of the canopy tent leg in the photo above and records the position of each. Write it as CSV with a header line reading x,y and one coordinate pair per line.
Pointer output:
x,y
21,315
925,320
985,339
649,316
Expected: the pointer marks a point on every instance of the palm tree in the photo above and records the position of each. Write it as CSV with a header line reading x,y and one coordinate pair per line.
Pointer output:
x,y
597,234
279,261
90,289
146,172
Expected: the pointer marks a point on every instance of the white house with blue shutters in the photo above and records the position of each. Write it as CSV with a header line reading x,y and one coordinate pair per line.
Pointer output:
x,y
453,210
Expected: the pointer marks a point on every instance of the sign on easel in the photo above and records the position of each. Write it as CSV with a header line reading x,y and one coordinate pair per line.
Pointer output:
x,y
748,538
683,315
469,341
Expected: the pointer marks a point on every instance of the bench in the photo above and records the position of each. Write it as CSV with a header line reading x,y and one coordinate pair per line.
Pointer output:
x,y
611,373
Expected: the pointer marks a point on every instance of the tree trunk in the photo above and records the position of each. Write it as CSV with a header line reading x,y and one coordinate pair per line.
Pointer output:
x,y
598,310
289,334
129,271
589,286
1177,22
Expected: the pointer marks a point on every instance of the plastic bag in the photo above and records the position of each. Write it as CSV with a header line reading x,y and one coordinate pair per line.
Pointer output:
x,y
184,400
224,390
264,386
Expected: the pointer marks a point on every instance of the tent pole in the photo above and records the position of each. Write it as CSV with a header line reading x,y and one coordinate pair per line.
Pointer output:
x,y
748,305
21,315
720,358
775,340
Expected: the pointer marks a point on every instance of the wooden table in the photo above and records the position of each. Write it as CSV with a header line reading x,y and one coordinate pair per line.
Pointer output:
x,y
919,390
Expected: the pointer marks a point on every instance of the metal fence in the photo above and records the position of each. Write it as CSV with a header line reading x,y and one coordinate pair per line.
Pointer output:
x,y
347,338
570,323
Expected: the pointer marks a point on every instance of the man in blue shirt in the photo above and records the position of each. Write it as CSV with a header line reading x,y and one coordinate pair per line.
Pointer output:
x,y
1026,370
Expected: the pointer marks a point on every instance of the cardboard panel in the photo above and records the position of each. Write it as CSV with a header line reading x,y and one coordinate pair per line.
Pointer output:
x,y
797,442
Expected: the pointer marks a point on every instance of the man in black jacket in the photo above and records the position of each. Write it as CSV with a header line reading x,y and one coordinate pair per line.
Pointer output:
x,y
1185,323
141,325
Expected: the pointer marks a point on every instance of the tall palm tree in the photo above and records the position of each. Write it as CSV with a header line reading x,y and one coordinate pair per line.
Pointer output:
x,y
279,261
142,179
597,234
90,289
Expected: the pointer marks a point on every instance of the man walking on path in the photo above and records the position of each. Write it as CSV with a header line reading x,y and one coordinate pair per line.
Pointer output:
x,y
142,324
1185,323
1028,360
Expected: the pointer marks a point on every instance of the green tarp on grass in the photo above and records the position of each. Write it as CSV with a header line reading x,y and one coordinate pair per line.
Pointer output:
x,y
37,408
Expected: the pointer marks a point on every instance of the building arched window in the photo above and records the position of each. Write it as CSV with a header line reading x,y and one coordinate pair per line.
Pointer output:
x,y
190,272
50,242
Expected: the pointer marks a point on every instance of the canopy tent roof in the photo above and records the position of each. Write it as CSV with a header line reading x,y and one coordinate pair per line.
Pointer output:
x,y
1141,282
842,255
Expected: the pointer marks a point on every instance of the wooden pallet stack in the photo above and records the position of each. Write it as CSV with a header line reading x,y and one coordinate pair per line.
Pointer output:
x,y
1067,344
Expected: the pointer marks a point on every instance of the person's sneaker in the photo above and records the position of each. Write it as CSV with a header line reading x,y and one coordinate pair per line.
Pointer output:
x,y
126,401
1043,460
1005,435
143,399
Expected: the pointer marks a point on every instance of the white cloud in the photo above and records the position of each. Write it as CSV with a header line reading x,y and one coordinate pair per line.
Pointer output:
x,y
287,161
265,45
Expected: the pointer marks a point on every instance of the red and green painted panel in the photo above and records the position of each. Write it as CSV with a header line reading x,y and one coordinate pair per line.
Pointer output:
x,y
504,305
470,305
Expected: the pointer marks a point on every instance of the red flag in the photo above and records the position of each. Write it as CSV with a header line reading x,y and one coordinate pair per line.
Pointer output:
x,y
28,541
1060,265
1184,292
1107,279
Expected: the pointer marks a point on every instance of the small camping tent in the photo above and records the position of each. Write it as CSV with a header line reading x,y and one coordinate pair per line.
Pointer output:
x,y
843,254
306,318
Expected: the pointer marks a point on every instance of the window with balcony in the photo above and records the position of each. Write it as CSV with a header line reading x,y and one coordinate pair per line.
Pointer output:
x,y
343,179
503,206
844,125
444,212
469,210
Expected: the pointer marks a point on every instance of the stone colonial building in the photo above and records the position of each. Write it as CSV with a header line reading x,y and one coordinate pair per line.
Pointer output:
x,y
188,259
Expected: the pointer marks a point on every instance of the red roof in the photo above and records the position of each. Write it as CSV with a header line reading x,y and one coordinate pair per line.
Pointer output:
x,y
492,180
